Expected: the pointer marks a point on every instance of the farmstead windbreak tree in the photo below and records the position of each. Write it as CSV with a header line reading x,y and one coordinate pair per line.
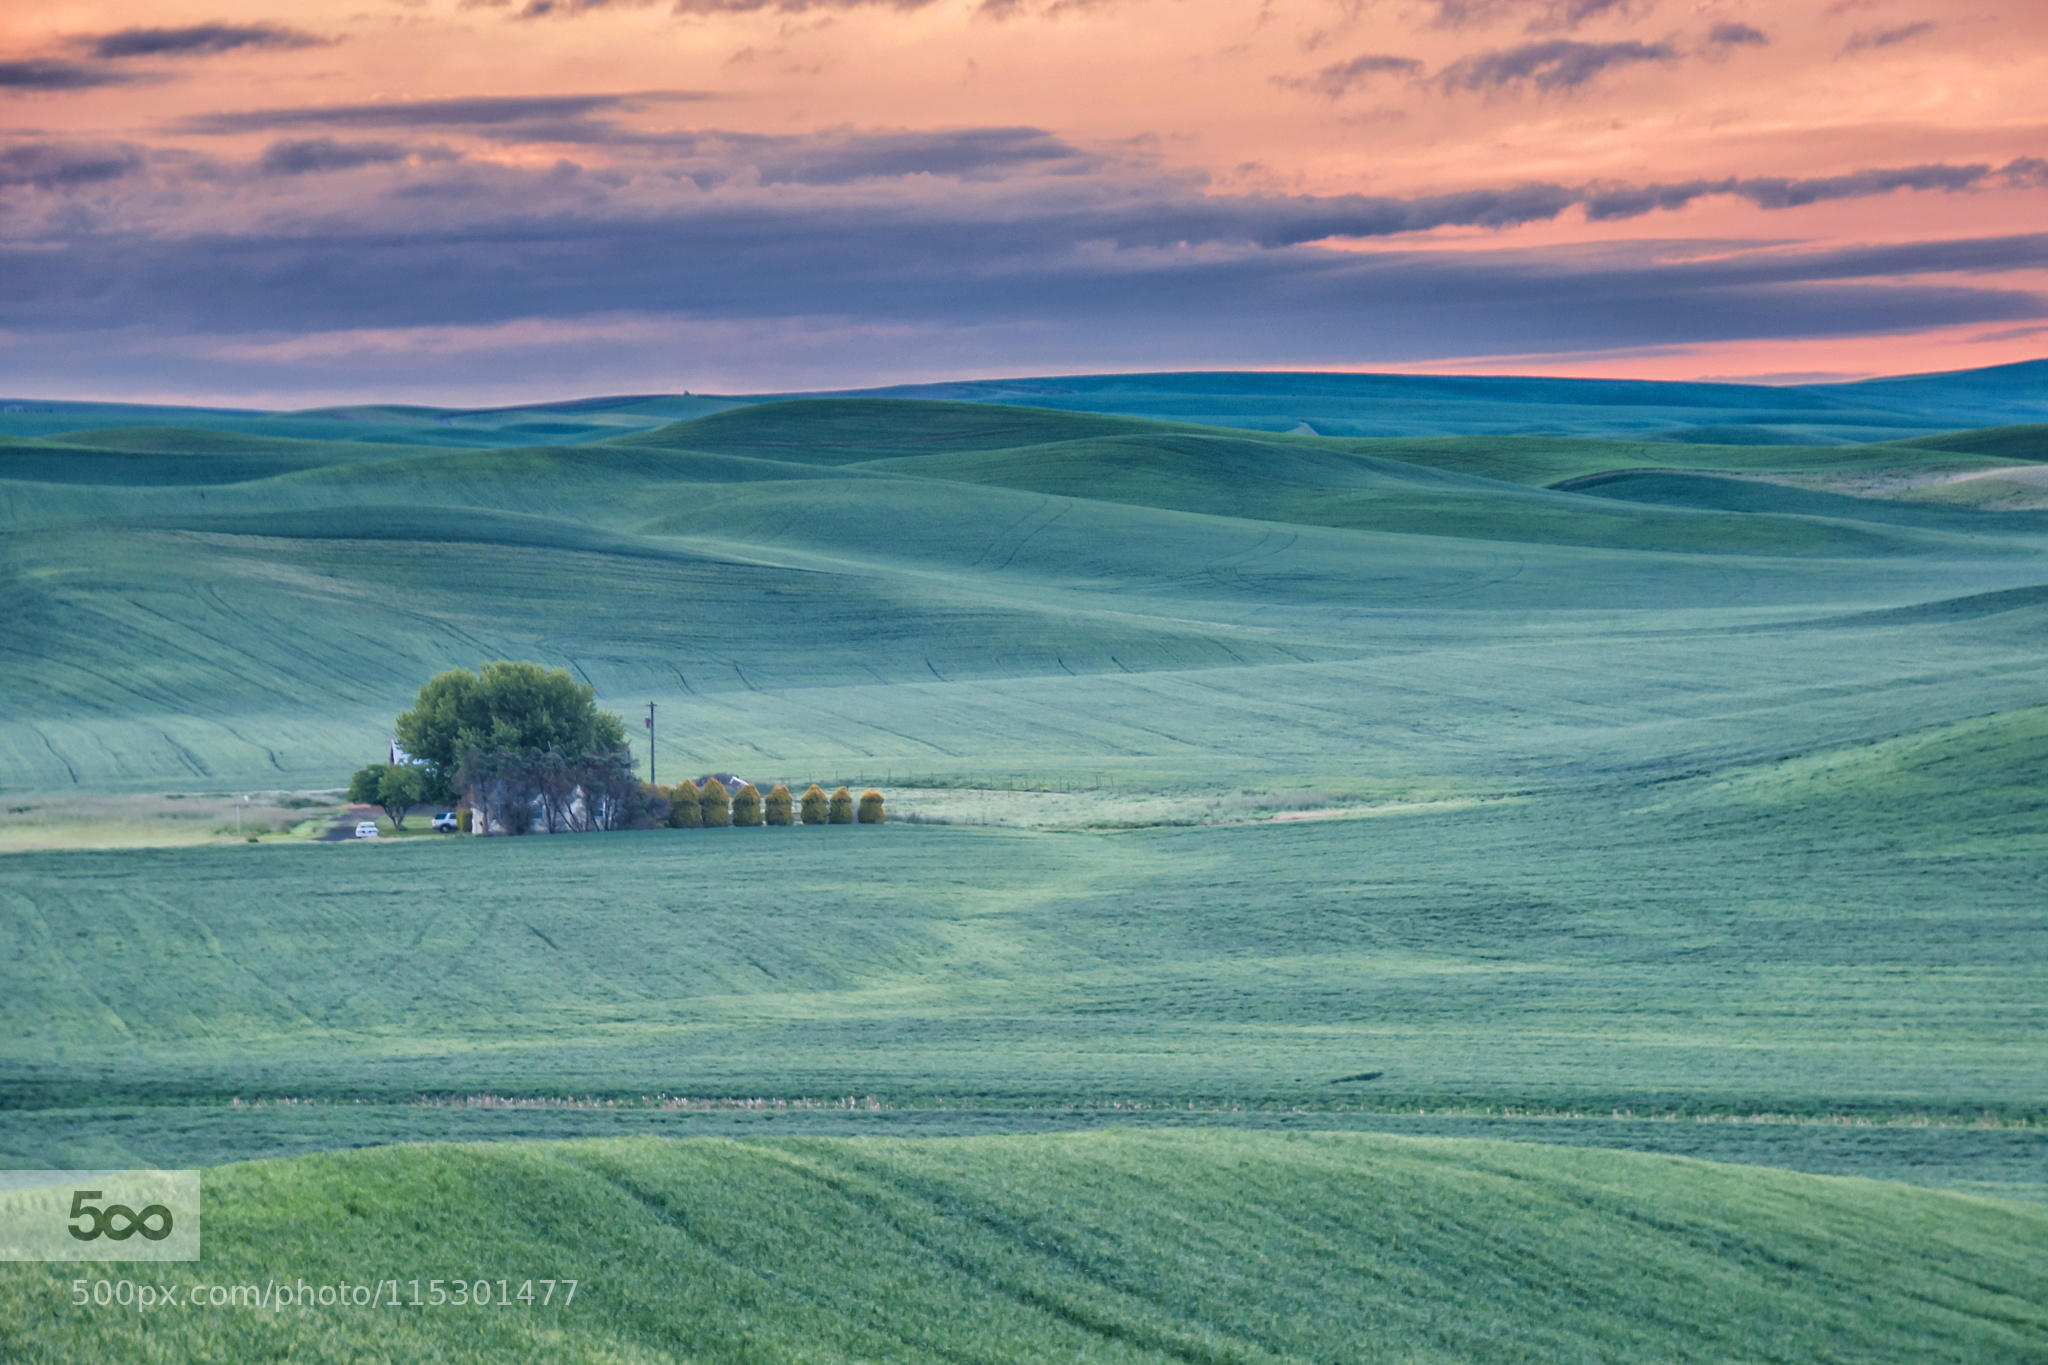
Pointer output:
x,y
521,746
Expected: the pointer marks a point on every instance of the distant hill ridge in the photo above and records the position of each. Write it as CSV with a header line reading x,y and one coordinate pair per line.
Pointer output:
x,y
1331,404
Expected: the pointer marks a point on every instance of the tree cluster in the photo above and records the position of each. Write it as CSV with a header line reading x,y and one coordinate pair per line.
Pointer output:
x,y
522,744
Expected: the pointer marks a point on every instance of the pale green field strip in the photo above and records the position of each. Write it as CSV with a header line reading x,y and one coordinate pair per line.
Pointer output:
x,y
2007,1160
1197,1246
1687,948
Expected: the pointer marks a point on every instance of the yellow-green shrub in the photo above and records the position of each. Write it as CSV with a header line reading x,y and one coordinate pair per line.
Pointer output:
x,y
682,807
746,805
814,805
871,807
713,806
840,810
776,810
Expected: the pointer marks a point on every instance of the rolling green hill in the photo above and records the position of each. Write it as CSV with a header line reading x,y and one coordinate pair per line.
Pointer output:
x,y
1113,1246
1672,794
915,581
1842,934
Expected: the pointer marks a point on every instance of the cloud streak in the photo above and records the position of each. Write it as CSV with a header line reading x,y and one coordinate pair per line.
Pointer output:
x,y
1568,15
1339,78
308,156
1538,16
707,156
473,112
967,153
1737,35
790,6
1868,39
196,40
1550,66
49,73
1778,192
66,165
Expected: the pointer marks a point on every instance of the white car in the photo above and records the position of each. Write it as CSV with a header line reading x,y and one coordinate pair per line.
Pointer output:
x,y
367,830
446,822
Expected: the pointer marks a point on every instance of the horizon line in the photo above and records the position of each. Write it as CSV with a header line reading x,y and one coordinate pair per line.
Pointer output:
x,y
21,402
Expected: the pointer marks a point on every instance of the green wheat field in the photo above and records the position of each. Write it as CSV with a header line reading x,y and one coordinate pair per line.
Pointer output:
x,y
1377,869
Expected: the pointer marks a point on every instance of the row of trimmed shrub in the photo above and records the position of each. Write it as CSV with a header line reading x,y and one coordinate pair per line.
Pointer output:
x,y
693,807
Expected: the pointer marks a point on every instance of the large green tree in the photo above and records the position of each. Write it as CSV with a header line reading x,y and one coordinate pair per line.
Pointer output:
x,y
395,787
507,707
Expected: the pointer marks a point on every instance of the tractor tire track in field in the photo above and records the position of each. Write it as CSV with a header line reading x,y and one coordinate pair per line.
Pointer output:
x,y
190,759
847,721
285,643
998,536
69,771
699,1238
1014,697
268,752
1064,507
881,1195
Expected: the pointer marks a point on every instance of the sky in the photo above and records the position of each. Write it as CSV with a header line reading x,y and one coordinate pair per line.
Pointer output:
x,y
476,202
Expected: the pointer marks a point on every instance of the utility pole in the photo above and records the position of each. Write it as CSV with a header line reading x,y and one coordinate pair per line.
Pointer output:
x,y
650,744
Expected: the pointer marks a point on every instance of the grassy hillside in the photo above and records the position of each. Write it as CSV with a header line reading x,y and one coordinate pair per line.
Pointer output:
x,y
1945,791
1350,489
844,430
1112,1246
156,456
1742,814
1853,930
961,585
1680,792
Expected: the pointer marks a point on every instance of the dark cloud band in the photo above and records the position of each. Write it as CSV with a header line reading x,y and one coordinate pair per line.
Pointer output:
x,y
43,73
196,40
1775,192
481,111
1339,78
1737,35
1886,37
306,156
1553,64
66,165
